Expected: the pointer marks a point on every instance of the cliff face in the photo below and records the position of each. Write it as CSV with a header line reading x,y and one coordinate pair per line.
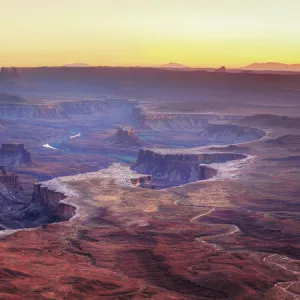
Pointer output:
x,y
120,109
25,111
14,155
141,181
174,122
51,199
150,157
177,169
206,172
11,181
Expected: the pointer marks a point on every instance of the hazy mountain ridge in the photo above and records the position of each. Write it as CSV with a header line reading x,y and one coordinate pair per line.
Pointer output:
x,y
172,65
273,66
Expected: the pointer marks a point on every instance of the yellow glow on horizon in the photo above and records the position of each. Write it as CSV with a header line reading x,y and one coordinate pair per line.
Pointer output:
x,y
139,32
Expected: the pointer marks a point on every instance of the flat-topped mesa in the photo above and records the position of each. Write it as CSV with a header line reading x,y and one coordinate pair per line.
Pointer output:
x,y
175,121
14,155
11,181
176,169
52,199
149,156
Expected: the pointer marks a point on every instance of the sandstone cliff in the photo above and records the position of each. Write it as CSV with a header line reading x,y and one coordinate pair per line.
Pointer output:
x,y
149,156
177,169
53,200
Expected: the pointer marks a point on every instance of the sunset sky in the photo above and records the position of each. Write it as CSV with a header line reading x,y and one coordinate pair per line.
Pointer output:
x,y
141,32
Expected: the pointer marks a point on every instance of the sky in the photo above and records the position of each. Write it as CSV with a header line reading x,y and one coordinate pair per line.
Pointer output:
x,y
198,33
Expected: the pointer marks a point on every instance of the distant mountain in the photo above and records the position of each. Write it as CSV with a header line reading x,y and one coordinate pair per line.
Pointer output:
x,y
78,65
273,66
221,70
173,65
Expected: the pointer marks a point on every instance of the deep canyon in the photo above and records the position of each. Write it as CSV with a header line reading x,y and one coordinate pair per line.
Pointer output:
x,y
113,187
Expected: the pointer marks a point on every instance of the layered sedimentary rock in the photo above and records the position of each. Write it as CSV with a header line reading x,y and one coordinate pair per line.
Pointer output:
x,y
30,111
52,199
116,109
14,155
148,156
175,122
11,181
176,169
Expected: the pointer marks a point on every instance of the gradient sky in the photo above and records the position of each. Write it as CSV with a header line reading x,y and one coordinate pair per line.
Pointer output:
x,y
142,32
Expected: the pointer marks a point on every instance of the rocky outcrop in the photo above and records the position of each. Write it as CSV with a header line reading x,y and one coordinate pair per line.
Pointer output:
x,y
14,155
125,137
221,70
206,172
141,181
177,169
147,156
53,200
174,169
224,134
11,181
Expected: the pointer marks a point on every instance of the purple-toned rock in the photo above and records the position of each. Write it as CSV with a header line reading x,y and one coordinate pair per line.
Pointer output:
x,y
14,155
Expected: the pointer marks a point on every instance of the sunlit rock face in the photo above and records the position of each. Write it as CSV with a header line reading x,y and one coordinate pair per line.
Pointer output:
x,y
178,169
14,155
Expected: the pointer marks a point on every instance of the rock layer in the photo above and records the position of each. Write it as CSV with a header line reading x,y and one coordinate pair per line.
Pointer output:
x,y
177,169
53,200
11,181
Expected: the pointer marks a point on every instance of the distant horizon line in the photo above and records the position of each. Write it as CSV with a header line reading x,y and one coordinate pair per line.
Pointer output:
x,y
169,64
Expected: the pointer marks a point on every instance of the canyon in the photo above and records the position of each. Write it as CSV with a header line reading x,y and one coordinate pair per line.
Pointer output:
x,y
153,184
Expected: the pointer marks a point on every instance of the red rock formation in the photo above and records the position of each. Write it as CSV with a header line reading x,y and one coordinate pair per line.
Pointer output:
x,y
125,137
52,200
